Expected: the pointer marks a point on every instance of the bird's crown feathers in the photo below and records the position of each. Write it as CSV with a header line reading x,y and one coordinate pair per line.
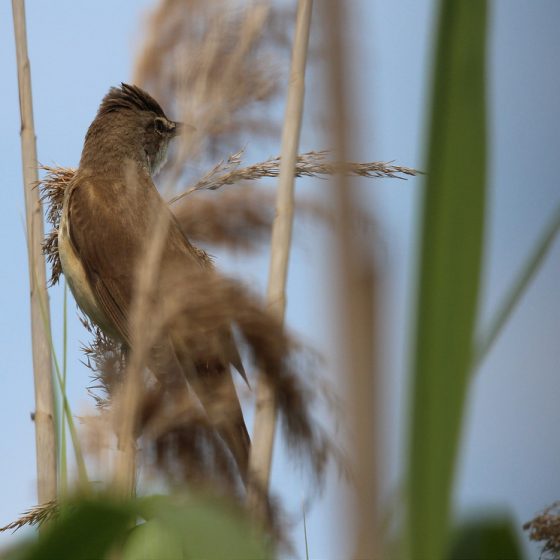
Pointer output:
x,y
129,97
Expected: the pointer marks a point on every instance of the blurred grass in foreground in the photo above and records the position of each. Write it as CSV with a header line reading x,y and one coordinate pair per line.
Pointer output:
x,y
452,237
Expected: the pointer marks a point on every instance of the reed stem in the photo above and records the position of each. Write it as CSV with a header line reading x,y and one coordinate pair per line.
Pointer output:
x,y
260,460
45,437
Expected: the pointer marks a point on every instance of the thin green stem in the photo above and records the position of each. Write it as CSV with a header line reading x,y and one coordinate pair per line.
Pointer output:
x,y
518,288
82,471
80,463
305,534
63,456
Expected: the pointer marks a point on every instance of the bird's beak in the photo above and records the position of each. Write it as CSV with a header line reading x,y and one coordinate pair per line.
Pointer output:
x,y
181,128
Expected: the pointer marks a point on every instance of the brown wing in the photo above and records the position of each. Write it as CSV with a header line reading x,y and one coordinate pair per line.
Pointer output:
x,y
106,227
179,244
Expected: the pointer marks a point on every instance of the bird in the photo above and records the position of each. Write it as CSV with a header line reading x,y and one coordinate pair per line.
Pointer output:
x,y
108,216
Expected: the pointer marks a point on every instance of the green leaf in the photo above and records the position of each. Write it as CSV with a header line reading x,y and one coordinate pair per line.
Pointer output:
x,y
490,539
177,528
151,540
85,530
197,526
449,277
211,529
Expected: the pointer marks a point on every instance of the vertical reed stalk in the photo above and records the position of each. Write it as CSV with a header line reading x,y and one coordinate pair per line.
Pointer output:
x,y
265,418
356,286
45,438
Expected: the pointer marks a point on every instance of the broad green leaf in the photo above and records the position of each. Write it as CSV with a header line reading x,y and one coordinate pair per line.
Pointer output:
x,y
449,276
486,539
199,526
85,530
177,528
151,540
211,529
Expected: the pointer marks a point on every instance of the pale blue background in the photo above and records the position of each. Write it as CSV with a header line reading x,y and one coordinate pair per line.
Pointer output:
x,y
511,455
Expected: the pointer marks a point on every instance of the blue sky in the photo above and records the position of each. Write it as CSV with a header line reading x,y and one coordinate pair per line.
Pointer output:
x,y
511,454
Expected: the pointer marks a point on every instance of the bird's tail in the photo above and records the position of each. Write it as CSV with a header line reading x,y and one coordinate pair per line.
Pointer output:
x,y
212,382
238,441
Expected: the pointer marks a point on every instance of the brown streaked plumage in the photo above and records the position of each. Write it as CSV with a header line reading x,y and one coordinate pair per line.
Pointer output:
x,y
108,212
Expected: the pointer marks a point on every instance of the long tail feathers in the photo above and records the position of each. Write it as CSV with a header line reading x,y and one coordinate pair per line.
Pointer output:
x,y
212,382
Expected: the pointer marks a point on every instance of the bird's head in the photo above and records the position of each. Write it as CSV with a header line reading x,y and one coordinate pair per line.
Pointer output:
x,y
131,116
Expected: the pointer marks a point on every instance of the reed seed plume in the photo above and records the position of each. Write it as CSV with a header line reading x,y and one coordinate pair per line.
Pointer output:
x,y
215,65
545,528
240,219
213,303
236,219
34,517
310,164
106,359
179,441
52,188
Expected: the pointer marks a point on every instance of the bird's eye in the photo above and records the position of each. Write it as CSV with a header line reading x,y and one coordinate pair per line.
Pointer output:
x,y
160,126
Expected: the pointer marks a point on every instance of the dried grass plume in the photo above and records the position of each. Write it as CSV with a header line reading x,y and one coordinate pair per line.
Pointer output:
x,y
545,529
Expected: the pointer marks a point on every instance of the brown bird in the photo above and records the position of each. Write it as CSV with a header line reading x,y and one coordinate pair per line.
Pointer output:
x,y
109,213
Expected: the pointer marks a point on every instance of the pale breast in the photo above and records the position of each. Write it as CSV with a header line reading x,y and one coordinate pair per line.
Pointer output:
x,y
77,279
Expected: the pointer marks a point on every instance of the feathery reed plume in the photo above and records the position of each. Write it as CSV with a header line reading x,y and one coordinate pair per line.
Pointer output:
x,y
215,302
545,528
214,64
52,188
106,359
34,516
240,219
179,440
44,417
310,164
236,219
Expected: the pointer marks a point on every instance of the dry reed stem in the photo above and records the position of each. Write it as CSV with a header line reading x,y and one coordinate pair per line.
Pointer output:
x,y
356,299
260,459
45,438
